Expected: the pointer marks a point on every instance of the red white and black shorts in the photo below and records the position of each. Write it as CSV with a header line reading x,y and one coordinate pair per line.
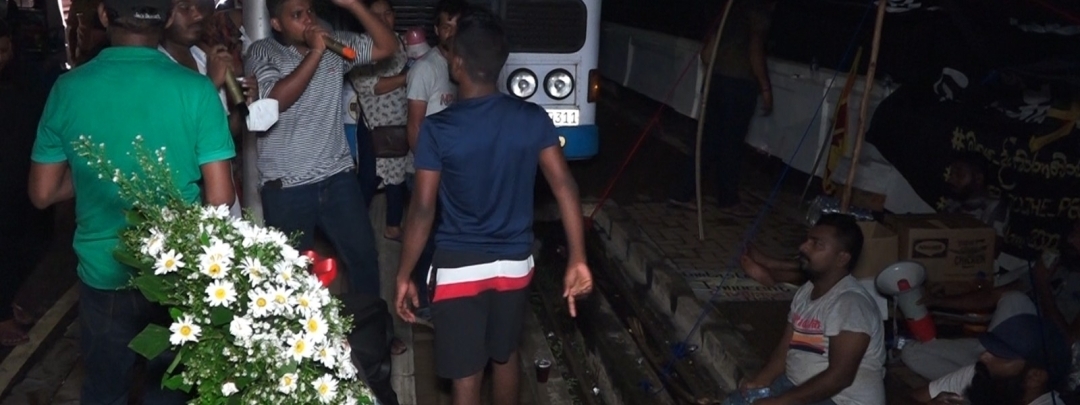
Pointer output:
x,y
478,310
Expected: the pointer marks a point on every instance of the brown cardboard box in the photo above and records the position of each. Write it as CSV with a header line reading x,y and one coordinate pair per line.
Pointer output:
x,y
880,249
955,248
867,199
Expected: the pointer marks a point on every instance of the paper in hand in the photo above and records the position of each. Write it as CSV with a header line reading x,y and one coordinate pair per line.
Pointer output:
x,y
262,115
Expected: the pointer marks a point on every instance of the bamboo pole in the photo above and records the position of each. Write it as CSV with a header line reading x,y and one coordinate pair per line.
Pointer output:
x,y
864,106
701,117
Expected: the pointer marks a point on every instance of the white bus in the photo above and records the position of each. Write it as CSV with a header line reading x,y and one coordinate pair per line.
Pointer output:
x,y
554,48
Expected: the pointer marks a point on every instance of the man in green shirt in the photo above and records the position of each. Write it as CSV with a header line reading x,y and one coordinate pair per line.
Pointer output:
x,y
128,90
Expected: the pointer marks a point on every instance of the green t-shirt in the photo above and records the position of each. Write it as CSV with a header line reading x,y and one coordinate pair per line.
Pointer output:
x,y
122,93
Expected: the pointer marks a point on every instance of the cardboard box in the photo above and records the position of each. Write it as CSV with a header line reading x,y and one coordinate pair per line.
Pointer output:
x,y
880,249
955,248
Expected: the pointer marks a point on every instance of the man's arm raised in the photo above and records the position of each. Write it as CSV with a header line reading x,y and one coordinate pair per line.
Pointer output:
x,y
384,41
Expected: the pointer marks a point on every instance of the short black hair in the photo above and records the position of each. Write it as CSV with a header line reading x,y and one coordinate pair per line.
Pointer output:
x,y
848,234
274,7
452,8
134,25
481,43
369,3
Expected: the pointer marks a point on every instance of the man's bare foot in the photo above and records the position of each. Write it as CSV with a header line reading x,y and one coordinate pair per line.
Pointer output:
x,y
12,334
756,271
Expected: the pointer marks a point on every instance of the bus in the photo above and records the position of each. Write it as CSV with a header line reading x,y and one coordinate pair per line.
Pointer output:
x,y
554,52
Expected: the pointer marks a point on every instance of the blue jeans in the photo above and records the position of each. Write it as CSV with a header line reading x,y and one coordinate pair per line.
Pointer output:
x,y
729,111
779,386
108,320
335,205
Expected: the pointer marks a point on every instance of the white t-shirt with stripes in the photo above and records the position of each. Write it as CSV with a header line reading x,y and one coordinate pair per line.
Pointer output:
x,y
307,144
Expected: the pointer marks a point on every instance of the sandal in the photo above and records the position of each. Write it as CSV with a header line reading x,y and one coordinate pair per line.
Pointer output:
x,y
12,334
397,347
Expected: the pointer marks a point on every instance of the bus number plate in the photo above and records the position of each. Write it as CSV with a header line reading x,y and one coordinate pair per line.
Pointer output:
x,y
563,118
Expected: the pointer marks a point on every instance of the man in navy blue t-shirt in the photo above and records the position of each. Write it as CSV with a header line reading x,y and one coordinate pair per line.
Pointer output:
x,y
479,156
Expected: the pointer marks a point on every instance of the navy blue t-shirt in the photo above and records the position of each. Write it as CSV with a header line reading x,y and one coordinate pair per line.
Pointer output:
x,y
487,150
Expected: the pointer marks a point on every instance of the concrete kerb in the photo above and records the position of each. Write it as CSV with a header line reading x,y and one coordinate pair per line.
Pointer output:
x,y
722,349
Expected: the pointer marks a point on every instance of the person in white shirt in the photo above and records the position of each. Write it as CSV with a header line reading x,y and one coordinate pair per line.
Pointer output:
x,y
832,351
1025,361
428,85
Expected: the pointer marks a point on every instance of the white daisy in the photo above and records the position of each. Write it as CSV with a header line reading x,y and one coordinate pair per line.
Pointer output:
x,y
153,244
216,212
287,383
184,330
254,269
221,293
285,274
315,326
326,387
300,347
213,268
262,303
228,389
326,354
307,304
168,262
217,251
288,254
281,298
241,329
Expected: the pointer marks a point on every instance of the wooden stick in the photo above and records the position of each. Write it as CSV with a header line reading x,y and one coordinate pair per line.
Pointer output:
x,y
864,106
701,118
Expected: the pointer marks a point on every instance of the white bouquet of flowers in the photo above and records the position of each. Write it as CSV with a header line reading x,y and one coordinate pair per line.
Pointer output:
x,y
250,323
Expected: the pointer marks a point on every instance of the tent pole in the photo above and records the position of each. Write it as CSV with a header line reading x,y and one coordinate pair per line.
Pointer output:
x,y
701,117
257,26
845,202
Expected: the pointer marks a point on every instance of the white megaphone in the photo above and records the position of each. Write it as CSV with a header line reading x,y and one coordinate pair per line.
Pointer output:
x,y
904,281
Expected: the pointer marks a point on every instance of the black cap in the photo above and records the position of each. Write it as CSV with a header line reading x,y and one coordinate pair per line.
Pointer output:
x,y
146,10
1039,342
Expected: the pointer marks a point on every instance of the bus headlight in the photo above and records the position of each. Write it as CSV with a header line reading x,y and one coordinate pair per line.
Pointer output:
x,y
522,83
559,84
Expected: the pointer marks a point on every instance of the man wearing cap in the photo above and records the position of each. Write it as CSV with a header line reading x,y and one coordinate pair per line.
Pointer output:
x,y
1026,359
129,90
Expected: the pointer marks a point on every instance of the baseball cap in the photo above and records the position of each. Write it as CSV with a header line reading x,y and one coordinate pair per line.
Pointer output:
x,y
1037,341
147,10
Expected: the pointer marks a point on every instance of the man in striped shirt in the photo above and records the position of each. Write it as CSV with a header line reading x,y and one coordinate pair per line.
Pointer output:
x,y
307,177
480,156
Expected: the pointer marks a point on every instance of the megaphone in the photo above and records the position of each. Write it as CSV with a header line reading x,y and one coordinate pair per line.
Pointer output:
x,y
903,280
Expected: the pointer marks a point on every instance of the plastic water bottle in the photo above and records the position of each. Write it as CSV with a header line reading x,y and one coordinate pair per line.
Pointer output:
x,y
756,394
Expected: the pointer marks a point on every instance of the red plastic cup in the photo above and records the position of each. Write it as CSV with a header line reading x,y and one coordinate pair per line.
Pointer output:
x,y
543,370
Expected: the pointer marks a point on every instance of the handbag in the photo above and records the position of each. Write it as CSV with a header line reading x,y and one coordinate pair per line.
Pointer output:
x,y
390,141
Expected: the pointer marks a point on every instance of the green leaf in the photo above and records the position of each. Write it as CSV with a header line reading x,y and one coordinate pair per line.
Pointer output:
x,y
175,313
176,361
289,367
151,342
176,383
220,316
233,400
125,257
134,217
153,287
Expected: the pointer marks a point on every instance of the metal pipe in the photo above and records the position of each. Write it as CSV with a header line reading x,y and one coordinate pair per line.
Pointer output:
x,y
256,26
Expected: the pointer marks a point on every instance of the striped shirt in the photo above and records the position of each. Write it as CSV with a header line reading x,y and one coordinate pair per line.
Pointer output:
x,y
308,143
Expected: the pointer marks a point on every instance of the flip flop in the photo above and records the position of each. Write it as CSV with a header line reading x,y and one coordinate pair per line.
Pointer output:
x,y
397,347
11,334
